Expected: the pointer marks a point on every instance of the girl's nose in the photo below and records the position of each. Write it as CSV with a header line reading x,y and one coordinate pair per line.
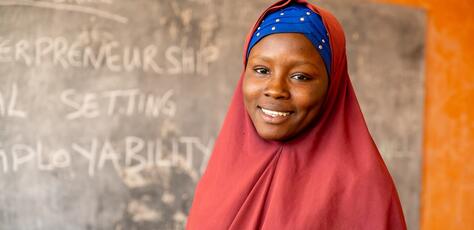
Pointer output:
x,y
277,87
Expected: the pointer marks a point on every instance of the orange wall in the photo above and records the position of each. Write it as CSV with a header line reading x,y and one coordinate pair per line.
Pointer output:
x,y
447,199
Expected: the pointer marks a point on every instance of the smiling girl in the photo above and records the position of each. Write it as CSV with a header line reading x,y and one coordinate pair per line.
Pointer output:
x,y
294,151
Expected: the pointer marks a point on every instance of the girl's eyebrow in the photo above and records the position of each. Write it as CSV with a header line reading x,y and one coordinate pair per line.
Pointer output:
x,y
263,58
295,63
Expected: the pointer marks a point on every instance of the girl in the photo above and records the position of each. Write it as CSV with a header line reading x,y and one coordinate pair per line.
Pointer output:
x,y
294,151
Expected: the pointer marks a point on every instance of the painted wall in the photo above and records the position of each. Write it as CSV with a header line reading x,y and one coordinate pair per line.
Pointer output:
x,y
448,170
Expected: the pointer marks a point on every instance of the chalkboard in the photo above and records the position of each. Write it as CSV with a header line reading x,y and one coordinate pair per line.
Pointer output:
x,y
109,109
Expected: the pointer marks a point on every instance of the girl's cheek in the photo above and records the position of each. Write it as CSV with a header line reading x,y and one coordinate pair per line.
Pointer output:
x,y
250,85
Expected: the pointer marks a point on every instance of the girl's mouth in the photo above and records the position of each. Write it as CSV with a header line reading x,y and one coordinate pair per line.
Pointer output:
x,y
274,116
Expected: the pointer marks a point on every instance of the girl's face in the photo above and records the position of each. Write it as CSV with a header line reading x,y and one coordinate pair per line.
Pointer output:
x,y
284,86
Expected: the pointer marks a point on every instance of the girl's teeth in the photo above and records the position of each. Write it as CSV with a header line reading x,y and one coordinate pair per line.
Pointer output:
x,y
274,113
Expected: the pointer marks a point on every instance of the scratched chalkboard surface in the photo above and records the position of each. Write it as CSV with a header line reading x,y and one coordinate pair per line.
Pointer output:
x,y
109,109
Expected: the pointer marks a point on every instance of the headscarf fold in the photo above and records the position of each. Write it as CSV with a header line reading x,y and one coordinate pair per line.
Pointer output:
x,y
329,177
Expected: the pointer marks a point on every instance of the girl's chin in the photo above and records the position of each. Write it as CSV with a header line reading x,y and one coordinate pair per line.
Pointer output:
x,y
272,134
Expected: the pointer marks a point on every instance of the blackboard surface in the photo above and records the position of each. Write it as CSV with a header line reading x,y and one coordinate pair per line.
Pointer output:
x,y
109,109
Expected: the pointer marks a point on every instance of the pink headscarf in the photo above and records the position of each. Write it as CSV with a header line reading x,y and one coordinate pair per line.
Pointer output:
x,y
330,177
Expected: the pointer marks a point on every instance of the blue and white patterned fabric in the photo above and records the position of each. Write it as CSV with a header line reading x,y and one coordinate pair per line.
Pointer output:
x,y
296,18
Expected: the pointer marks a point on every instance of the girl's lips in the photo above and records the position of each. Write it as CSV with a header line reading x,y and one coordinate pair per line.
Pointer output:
x,y
272,116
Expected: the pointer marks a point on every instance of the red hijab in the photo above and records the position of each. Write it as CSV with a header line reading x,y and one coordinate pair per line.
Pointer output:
x,y
330,177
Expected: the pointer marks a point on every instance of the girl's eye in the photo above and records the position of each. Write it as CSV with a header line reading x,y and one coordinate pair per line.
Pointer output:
x,y
261,70
300,77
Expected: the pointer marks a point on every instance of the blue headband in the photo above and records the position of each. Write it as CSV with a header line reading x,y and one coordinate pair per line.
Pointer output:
x,y
296,18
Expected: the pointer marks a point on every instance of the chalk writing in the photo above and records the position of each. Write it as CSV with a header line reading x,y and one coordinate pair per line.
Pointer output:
x,y
117,102
60,5
132,155
8,104
111,55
